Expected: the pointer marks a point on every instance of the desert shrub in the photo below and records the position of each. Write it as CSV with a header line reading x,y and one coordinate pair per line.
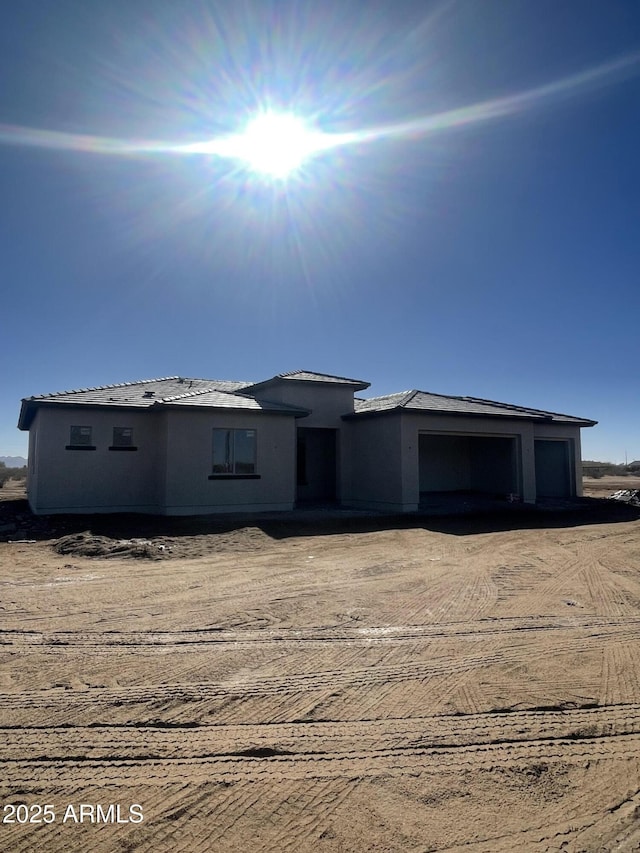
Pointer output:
x,y
602,469
11,474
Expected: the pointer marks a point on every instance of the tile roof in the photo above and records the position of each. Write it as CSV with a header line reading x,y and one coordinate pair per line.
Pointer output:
x,y
223,400
311,376
144,392
422,401
147,393
224,394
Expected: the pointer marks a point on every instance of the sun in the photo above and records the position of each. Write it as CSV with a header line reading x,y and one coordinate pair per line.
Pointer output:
x,y
276,144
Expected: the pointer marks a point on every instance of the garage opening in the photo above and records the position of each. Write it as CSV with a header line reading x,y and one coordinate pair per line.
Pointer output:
x,y
474,465
316,465
553,468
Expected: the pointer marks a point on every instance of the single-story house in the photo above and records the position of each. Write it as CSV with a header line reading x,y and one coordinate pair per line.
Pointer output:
x,y
177,446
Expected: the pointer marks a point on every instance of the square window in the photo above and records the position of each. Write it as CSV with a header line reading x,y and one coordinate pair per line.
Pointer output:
x,y
122,436
80,436
234,451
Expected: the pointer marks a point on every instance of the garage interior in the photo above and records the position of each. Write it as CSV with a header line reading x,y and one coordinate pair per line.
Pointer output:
x,y
462,468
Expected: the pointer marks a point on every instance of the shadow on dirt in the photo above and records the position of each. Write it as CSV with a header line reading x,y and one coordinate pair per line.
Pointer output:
x,y
17,523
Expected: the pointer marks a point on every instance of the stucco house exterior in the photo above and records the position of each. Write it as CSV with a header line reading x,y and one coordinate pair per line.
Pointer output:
x,y
177,446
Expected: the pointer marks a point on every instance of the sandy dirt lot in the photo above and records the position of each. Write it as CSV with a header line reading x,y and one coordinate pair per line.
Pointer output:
x,y
467,685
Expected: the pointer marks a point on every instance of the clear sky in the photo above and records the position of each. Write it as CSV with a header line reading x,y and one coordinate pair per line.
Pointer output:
x,y
478,232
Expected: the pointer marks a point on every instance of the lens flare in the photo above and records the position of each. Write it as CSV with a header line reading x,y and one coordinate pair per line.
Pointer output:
x,y
278,144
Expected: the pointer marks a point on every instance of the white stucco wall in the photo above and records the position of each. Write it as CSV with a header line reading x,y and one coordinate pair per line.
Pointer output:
x,y
97,480
189,437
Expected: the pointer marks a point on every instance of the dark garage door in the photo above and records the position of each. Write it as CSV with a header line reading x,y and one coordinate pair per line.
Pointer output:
x,y
553,472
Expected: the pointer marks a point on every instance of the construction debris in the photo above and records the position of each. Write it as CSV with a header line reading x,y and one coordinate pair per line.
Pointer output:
x,y
627,496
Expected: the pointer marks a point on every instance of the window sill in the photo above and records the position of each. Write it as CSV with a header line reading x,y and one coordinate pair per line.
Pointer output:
x,y
126,448
234,476
80,447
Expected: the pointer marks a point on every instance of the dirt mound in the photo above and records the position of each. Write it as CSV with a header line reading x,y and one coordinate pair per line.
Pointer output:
x,y
89,545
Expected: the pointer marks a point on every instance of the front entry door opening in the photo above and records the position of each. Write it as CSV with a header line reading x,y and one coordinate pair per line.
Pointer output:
x,y
316,461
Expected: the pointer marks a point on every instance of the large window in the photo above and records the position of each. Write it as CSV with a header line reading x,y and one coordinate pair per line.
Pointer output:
x,y
234,452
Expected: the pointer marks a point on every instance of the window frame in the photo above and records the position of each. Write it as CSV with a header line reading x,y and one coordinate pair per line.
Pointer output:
x,y
233,473
116,442
80,445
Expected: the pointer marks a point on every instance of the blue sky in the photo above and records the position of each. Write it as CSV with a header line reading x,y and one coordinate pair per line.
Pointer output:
x,y
493,252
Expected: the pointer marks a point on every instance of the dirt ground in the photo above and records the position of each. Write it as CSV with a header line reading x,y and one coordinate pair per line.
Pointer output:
x,y
357,684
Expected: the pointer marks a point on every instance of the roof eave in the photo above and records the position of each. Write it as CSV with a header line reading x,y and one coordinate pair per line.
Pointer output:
x,y
577,422
258,386
30,406
27,414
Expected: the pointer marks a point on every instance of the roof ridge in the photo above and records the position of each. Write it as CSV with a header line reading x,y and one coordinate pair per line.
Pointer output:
x,y
289,373
102,387
195,393
386,396
410,395
513,406
235,392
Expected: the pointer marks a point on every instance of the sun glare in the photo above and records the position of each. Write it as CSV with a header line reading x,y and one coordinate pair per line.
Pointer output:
x,y
276,144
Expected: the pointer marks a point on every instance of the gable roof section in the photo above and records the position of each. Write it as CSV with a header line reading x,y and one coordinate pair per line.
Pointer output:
x,y
309,376
156,393
423,401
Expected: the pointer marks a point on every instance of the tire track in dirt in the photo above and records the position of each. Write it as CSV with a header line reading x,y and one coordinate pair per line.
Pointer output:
x,y
305,767
218,727
604,590
586,578
60,642
171,814
157,742
579,829
619,679
312,808
467,597
372,669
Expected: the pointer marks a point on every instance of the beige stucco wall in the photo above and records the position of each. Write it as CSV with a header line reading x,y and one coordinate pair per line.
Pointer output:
x,y
168,473
189,437
94,480
328,402
32,467
373,475
379,458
